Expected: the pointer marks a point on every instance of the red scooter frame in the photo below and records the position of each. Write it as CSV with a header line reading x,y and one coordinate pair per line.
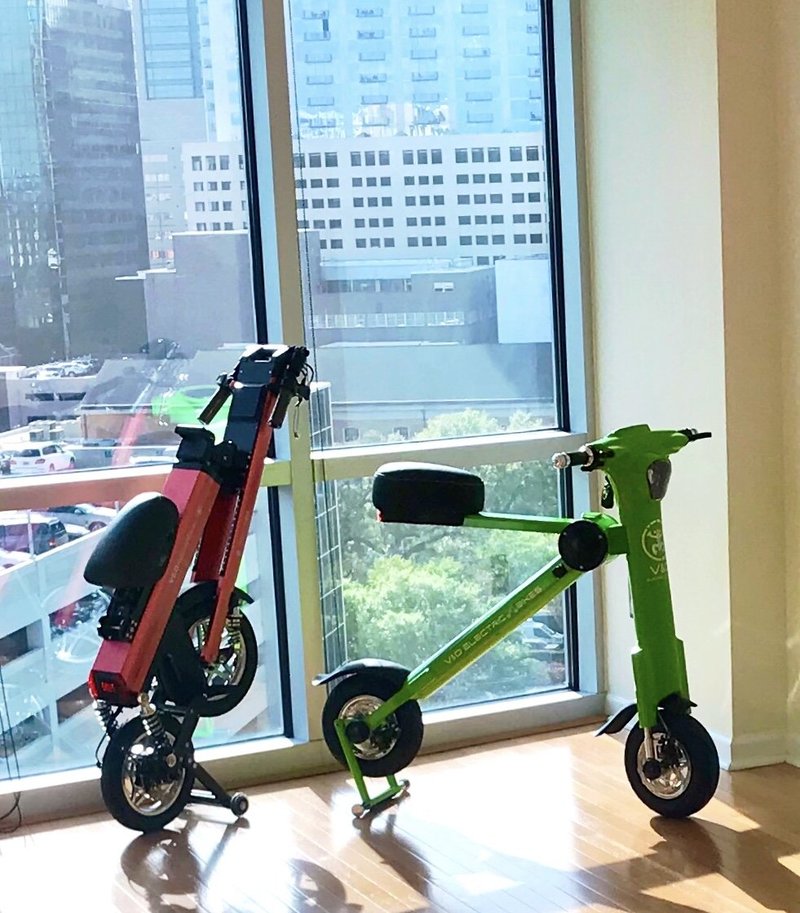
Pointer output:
x,y
203,514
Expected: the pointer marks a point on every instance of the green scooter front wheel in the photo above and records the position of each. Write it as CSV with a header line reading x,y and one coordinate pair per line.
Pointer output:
x,y
391,746
688,762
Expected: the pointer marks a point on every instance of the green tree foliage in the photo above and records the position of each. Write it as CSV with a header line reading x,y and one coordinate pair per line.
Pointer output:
x,y
408,589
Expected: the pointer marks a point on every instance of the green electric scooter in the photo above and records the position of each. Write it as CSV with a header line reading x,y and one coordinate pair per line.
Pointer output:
x,y
372,722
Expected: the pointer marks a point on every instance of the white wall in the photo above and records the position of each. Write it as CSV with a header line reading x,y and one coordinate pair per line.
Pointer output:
x,y
692,152
652,146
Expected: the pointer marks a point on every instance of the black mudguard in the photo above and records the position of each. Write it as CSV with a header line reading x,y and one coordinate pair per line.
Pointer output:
x,y
393,671
618,721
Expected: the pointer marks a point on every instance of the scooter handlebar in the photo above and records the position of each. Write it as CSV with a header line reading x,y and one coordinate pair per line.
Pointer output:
x,y
217,401
584,457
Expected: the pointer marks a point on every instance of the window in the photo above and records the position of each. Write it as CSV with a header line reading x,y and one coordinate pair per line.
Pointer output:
x,y
515,154
391,276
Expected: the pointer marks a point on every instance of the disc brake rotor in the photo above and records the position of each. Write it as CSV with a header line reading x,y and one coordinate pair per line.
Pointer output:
x,y
676,767
230,664
149,784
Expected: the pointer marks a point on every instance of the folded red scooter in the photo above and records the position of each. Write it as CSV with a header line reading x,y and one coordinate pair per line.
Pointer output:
x,y
179,651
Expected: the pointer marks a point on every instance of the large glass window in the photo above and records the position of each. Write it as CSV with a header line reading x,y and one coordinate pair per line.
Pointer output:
x,y
116,123
49,640
500,360
445,336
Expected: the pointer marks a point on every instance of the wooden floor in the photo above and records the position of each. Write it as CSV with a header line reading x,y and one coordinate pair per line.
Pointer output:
x,y
538,825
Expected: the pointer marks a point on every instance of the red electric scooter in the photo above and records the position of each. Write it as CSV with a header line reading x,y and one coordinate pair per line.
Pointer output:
x,y
180,652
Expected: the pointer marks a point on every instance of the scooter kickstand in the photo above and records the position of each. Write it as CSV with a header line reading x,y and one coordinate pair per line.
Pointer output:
x,y
368,803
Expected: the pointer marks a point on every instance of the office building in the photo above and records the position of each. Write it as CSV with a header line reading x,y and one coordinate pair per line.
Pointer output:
x,y
72,198
448,66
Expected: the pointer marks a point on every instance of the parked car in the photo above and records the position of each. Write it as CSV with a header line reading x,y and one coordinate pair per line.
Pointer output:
x,y
12,559
86,515
33,532
5,463
42,458
539,636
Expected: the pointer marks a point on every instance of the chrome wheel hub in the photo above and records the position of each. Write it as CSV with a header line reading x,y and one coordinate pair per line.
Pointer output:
x,y
676,768
382,740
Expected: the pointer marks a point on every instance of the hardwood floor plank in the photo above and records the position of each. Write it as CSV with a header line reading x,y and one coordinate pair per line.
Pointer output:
x,y
539,825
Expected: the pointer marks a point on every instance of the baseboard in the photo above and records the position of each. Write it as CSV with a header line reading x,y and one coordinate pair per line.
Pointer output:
x,y
758,750
793,750
615,703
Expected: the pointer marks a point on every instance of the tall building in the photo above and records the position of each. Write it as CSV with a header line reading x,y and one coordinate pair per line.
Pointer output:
x,y
71,191
447,66
172,111
187,57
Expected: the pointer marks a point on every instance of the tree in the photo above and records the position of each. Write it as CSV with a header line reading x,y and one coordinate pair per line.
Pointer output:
x,y
409,588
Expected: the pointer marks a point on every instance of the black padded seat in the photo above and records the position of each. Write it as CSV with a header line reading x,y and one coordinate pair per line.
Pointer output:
x,y
134,551
426,493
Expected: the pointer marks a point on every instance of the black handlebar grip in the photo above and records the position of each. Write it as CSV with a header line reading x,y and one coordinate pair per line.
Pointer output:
x,y
216,402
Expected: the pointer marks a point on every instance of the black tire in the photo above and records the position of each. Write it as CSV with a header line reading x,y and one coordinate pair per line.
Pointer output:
x,y
389,749
238,678
119,789
239,804
690,766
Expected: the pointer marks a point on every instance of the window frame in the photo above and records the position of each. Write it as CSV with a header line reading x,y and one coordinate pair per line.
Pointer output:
x,y
296,469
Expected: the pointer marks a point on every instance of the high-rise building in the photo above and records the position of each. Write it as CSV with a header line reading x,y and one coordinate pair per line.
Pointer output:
x,y
446,66
71,191
172,111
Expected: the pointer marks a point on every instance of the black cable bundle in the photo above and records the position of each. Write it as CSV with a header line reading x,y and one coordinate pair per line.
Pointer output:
x,y
9,750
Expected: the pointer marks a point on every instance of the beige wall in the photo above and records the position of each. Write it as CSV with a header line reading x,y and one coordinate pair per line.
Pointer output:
x,y
786,106
683,160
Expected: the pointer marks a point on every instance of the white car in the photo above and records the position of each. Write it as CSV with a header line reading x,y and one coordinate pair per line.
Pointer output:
x,y
42,458
12,559
86,515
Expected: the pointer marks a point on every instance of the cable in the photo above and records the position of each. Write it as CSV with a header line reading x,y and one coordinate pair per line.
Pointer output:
x,y
7,736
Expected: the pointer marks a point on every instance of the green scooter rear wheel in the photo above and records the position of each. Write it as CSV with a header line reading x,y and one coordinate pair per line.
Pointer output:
x,y
390,747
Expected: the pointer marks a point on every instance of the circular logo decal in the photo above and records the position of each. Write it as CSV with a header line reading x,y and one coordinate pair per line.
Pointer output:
x,y
653,540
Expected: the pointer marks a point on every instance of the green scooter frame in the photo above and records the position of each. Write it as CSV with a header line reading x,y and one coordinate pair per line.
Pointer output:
x,y
372,722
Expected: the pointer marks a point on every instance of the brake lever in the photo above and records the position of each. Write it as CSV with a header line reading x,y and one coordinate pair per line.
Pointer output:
x,y
692,434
